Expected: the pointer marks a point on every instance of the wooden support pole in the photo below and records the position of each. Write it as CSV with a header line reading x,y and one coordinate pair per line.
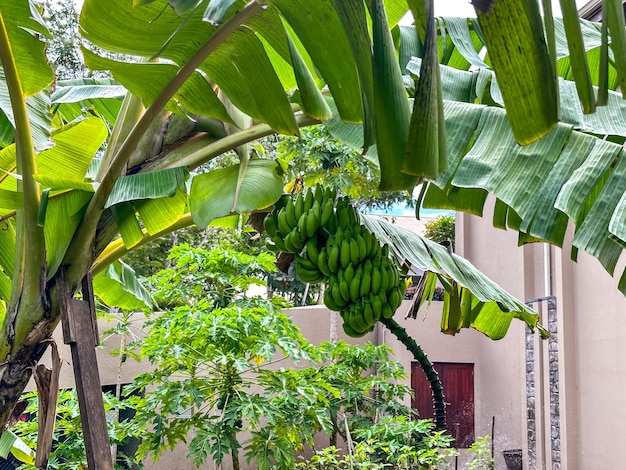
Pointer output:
x,y
78,318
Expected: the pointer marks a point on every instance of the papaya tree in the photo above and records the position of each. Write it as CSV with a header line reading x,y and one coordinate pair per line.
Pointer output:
x,y
95,168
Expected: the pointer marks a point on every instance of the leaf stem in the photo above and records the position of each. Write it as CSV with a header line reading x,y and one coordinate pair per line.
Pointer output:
x,y
431,374
30,245
230,142
85,235
116,249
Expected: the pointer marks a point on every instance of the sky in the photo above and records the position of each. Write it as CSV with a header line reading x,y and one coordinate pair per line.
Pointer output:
x,y
462,8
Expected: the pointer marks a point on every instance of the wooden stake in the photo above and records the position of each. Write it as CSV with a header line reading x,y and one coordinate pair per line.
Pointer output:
x,y
80,331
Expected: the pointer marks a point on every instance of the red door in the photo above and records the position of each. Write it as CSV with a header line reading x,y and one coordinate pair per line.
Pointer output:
x,y
458,387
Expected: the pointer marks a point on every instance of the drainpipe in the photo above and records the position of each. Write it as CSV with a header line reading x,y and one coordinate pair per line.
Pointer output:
x,y
547,269
547,287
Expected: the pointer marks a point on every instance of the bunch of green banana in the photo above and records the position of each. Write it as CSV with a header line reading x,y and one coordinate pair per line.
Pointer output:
x,y
331,245
299,220
362,289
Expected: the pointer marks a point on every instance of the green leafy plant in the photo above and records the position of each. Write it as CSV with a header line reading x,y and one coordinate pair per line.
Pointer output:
x,y
441,229
395,443
482,458
68,449
318,157
210,346
216,349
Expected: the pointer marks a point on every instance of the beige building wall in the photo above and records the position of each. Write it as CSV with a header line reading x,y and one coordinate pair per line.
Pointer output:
x,y
591,346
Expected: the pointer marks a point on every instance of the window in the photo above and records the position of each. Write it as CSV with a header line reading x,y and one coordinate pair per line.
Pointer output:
x,y
458,387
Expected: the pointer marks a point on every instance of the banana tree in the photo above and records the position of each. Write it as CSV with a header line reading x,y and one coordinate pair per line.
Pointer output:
x,y
83,185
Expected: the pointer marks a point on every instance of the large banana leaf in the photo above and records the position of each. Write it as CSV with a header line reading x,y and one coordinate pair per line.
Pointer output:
x,y
220,192
118,285
38,106
23,27
103,97
567,175
160,198
476,301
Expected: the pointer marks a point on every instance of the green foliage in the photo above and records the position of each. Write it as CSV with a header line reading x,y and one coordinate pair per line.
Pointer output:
x,y
317,157
216,351
63,47
148,259
68,449
210,347
482,458
209,277
391,443
441,229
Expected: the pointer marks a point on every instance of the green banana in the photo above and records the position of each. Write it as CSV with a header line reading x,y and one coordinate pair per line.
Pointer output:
x,y
384,278
313,219
333,259
298,206
368,237
290,212
300,239
306,263
394,298
331,223
280,244
303,221
395,275
345,256
327,211
322,262
348,273
339,236
355,256
324,194
368,314
351,332
343,219
312,251
353,217
283,225
270,225
357,321
366,280
308,275
318,193
289,242
337,297
330,302
362,246
387,311
355,285
376,281
308,200
377,306
348,233
344,289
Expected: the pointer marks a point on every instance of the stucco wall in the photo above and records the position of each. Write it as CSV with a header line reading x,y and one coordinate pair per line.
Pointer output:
x,y
591,342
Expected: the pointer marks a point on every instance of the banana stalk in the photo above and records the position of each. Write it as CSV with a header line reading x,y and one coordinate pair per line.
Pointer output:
x,y
427,366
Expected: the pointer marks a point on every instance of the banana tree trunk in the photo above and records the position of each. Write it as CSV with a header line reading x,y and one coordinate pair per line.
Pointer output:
x,y
427,366
16,371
